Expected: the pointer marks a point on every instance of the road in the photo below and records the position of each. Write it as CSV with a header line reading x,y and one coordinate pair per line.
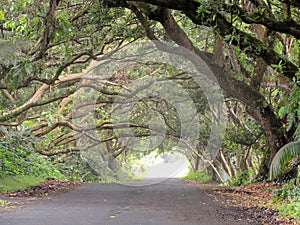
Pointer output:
x,y
171,202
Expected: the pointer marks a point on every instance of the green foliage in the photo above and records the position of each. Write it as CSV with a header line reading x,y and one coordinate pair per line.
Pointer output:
x,y
283,156
89,28
69,166
17,158
245,135
289,196
291,210
73,167
291,113
18,182
297,132
288,192
243,177
291,109
200,176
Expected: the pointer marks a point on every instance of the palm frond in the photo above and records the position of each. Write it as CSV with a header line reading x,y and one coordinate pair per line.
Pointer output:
x,y
283,156
297,132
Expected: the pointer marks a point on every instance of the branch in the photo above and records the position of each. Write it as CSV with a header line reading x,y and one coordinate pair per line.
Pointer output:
x,y
18,123
8,95
48,35
250,44
144,22
33,102
258,106
295,3
15,112
57,152
288,26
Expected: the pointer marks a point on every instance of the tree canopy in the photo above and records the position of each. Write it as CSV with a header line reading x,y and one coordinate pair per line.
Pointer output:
x,y
47,48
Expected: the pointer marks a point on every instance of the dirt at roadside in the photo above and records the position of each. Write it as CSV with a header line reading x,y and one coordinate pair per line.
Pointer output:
x,y
17,199
253,199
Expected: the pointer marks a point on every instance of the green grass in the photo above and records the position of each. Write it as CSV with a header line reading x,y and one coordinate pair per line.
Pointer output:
x,y
18,182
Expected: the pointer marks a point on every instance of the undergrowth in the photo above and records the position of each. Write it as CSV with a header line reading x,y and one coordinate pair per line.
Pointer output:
x,y
199,176
288,199
18,158
20,165
243,178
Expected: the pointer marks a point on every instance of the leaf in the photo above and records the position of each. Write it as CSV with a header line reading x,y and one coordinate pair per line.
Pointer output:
x,y
1,15
283,156
297,132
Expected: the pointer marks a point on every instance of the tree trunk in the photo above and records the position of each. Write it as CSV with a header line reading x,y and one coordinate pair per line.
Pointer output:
x,y
257,105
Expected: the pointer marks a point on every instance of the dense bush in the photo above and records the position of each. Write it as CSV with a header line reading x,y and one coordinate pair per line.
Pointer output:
x,y
17,157
200,176
243,177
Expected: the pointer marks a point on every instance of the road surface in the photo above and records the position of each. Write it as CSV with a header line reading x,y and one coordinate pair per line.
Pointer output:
x,y
171,202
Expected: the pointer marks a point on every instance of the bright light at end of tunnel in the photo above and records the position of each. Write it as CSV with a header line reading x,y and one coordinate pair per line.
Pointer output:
x,y
172,165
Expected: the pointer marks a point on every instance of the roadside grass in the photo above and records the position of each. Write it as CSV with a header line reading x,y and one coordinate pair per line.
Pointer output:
x,y
19,182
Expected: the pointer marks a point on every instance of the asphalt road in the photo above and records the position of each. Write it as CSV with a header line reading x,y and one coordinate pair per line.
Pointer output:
x,y
171,202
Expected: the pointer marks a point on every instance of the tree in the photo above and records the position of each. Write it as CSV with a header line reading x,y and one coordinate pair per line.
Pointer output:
x,y
252,48
228,20
44,53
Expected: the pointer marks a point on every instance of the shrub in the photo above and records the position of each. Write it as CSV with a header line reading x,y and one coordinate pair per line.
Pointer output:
x,y
18,158
291,210
200,176
242,178
289,197
288,192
